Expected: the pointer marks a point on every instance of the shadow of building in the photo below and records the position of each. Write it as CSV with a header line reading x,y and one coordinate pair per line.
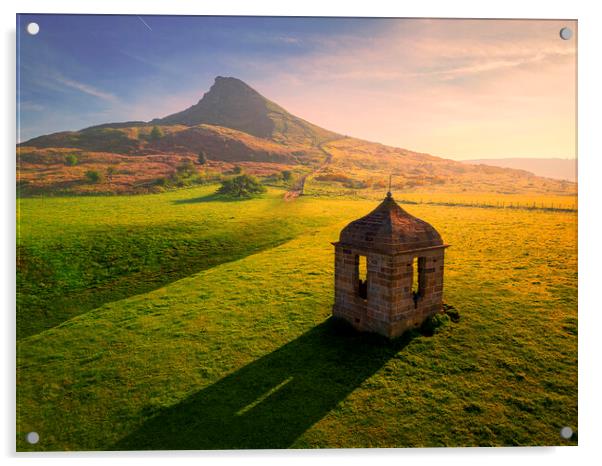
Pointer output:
x,y
270,402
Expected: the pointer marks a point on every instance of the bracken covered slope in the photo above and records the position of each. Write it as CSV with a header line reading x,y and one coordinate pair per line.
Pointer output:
x,y
234,124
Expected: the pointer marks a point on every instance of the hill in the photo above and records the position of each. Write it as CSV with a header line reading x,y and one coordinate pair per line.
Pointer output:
x,y
233,104
229,104
234,124
556,168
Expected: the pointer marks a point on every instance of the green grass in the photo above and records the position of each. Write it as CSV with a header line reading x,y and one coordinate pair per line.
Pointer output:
x,y
241,354
76,253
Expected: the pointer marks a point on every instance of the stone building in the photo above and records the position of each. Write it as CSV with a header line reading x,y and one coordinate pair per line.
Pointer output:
x,y
388,271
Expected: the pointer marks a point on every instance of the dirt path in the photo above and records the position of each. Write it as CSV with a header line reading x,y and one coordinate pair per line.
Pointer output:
x,y
297,189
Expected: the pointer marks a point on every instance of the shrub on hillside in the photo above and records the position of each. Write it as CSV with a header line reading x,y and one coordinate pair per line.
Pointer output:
x,y
202,158
156,133
93,176
242,186
71,160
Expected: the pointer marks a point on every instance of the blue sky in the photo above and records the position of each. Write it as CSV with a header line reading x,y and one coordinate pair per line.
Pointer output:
x,y
425,85
82,70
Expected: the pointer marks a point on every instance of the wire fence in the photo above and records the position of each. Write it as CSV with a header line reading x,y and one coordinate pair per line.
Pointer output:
x,y
549,207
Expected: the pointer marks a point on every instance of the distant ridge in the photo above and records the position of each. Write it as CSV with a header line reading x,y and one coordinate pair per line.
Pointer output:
x,y
555,168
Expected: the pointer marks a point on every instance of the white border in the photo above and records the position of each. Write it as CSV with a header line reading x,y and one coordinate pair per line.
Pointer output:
x,y
590,257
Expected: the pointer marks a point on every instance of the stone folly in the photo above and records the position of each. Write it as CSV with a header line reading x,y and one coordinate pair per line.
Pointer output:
x,y
388,271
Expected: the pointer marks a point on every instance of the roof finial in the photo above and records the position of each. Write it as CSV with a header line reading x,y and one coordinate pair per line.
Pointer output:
x,y
389,191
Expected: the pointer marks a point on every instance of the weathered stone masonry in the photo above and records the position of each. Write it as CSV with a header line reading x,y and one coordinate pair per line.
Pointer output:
x,y
390,239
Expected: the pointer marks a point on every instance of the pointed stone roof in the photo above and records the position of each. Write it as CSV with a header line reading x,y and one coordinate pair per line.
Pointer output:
x,y
390,229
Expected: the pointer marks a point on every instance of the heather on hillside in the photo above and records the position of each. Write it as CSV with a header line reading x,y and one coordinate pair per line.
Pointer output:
x,y
233,124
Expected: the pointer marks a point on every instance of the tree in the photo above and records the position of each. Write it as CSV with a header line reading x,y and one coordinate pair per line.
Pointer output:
x,y
202,158
287,175
156,133
93,176
241,186
237,170
71,160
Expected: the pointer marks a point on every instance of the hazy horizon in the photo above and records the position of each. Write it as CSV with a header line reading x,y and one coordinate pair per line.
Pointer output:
x,y
460,89
556,168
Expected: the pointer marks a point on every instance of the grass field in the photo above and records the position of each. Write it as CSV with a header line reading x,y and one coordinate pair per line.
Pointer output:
x,y
77,253
427,195
182,321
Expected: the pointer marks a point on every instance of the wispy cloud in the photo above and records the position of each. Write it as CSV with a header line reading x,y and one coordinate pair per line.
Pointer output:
x,y
495,64
85,88
444,51
445,87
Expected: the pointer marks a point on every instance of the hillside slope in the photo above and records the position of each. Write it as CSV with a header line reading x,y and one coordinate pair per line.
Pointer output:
x,y
233,104
356,164
234,124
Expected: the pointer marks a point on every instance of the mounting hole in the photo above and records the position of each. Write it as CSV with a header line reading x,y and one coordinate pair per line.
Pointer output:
x,y
566,33
32,437
33,29
566,432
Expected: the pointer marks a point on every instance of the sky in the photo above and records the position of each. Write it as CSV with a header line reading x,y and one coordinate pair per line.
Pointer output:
x,y
460,89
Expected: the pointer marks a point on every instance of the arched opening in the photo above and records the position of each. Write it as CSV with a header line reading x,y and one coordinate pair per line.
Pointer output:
x,y
362,276
418,278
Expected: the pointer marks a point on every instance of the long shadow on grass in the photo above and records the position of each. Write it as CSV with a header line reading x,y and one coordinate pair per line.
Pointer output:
x,y
71,276
272,401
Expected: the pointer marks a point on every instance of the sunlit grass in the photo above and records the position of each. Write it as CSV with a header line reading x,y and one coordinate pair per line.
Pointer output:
x,y
451,197
76,253
234,354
